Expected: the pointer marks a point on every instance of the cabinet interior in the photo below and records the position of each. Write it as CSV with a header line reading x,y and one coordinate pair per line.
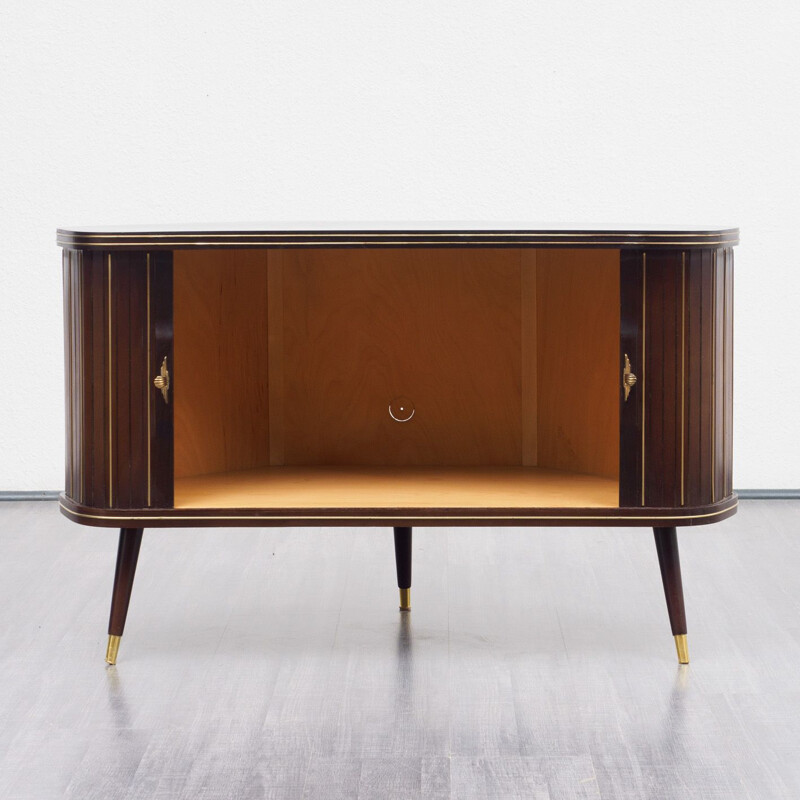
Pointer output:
x,y
286,362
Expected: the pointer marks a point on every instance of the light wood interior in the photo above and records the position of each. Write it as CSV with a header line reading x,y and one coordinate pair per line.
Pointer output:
x,y
290,358
440,327
577,338
528,366
220,374
396,487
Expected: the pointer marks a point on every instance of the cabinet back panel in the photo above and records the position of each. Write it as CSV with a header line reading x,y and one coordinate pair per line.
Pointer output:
x,y
439,327
220,385
291,357
579,375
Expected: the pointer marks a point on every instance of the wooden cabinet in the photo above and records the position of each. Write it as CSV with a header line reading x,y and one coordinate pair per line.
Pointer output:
x,y
398,378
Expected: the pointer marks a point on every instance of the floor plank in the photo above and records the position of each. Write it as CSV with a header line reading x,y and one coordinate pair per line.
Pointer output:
x,y
275,663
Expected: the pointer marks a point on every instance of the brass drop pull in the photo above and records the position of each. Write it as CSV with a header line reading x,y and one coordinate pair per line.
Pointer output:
x,y
628,378
162,381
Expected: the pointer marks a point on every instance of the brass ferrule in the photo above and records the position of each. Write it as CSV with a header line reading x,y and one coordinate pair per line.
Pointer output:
x,y
405,599
683,648
112,649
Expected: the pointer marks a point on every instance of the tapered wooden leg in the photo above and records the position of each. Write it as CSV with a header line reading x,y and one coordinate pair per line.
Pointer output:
x,y
670,563
130,540
402,557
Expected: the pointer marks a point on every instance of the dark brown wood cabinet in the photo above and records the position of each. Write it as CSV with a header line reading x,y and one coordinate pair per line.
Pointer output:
x,y
383,377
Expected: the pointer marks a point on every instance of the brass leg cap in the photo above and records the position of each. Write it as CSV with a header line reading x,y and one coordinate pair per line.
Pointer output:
x,y
683,648
112,649
405,599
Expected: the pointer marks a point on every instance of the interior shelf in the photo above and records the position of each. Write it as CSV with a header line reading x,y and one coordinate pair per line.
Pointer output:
x,y
397,487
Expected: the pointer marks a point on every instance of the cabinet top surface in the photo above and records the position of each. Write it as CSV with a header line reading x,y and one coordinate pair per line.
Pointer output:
x,y
392,234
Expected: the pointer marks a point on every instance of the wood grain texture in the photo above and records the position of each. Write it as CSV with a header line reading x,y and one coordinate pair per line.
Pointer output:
x,y
69,325
220,329
76,346
130,382
700,462
395,487
105,335
700,390
685,386
530,391
728,377
130,541
630,411
669,563
105,327
663,385
140,384
120,383
578,331
275,356
718,376
363,327
161,430
97,338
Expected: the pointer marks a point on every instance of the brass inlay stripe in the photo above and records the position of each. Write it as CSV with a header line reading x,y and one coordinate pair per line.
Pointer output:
x,y
714,377
383,517
149,393
69,288
644,346
683,371
76,241
110,399
376,234
79,336
724,369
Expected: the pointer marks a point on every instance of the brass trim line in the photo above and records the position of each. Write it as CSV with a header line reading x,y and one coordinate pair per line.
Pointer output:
x,y
682,647
644,358
405,599
714,377
67,275
110,399
149,393
70,335
77,242
80,339
683,373
723,234
383,517
724,369
112,650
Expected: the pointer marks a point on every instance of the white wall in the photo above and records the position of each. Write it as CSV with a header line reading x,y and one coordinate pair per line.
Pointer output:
x,y
625,112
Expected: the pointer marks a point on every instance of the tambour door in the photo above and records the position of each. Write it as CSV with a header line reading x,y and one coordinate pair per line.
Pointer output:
x,y
677,344
118,341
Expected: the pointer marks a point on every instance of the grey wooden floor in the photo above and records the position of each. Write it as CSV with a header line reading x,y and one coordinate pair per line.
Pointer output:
x,y
274,663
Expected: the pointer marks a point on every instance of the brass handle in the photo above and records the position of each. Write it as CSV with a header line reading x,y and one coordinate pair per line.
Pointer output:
x,y
628,378
162,381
